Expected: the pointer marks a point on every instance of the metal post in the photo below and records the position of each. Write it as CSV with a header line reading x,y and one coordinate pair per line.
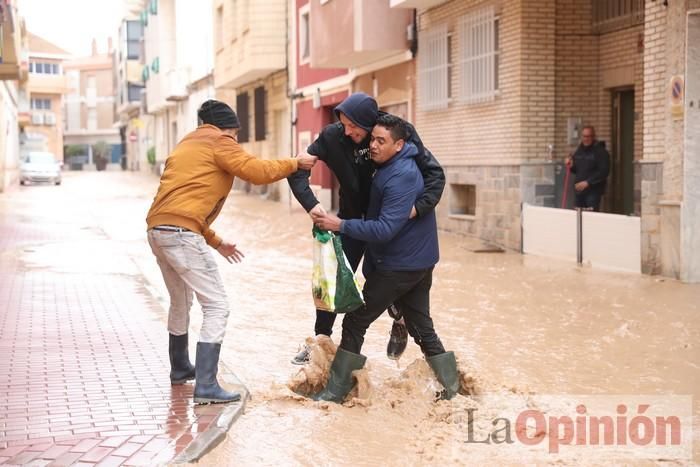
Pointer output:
x,y
522,231
579,235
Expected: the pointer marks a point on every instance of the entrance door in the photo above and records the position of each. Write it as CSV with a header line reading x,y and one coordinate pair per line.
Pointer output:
x,y
620,191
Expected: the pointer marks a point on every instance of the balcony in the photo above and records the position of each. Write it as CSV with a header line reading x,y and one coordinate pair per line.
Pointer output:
x,y
134,72
415,3
10,43
251,44
177,81
352,33
48,84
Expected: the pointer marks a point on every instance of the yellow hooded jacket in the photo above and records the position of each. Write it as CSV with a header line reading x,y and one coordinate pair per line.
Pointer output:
x,y
199,175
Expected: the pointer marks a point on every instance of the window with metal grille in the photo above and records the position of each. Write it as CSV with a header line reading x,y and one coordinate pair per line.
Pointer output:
x,y
134,92
243,117
434,68
41,104
478,44
609,15
260,113
134,33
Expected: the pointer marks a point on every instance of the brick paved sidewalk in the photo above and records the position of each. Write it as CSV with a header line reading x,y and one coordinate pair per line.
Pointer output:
x,y
84,365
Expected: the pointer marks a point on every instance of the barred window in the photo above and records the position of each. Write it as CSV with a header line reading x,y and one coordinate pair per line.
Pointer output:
x,y
478,34
243,117
260,98
610,15
434,78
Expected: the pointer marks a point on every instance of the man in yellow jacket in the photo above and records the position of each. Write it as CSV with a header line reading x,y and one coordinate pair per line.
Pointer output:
x,y
198,176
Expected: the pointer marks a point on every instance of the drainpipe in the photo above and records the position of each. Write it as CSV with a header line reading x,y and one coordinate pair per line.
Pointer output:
x,y
413,47
292,96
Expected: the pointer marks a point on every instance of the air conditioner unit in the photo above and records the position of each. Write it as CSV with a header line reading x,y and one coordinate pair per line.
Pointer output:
x,y
37,118
50,119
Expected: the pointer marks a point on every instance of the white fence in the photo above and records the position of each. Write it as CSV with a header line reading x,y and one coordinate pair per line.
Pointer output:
x,y
608,241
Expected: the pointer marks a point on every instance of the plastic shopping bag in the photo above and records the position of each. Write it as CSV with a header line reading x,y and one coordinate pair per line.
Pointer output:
x,y
333,283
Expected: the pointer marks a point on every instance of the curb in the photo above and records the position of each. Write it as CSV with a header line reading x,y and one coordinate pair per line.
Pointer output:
x,y
209,439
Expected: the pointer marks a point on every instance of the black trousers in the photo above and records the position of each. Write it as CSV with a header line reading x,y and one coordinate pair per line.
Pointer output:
x,y
410,292
354,249
589,198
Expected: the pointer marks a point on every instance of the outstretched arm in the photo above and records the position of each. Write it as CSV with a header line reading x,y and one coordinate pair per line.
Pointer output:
x,y
299,180
231,157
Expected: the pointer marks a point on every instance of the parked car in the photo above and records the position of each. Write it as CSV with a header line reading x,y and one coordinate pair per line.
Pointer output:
x,y
40,166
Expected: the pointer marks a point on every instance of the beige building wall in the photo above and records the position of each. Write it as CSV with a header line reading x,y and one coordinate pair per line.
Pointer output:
x,y
552,66
496,124
9,135
53,133
249,43
49,87
91,93
394,88
577,71
667,233
483,144
250,40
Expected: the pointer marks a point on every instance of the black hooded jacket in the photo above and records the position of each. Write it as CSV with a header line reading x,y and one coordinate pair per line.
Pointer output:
x,y
352,166
592,164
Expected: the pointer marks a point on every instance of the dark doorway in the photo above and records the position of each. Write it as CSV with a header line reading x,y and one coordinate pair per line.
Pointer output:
x,y
621,181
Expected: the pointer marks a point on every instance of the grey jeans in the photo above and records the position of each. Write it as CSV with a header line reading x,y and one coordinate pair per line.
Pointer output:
x,y
188,268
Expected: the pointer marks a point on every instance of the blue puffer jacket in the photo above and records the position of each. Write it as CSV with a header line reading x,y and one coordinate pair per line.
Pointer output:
x,y
395,242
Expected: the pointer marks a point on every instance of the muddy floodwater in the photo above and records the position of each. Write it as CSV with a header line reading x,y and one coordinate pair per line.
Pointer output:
x,y
521,326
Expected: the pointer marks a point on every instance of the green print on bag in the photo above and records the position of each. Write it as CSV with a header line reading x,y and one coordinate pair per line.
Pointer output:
x,y
333,284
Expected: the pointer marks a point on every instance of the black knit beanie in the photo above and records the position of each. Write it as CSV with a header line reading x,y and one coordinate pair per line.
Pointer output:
x,y
219,114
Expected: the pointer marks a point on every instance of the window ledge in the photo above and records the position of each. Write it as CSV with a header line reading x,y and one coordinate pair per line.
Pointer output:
x,y
462,217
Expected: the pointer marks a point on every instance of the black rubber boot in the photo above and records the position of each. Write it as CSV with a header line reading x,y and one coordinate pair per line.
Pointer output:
x,y
181,370
397,341
340,380
445,367
206,387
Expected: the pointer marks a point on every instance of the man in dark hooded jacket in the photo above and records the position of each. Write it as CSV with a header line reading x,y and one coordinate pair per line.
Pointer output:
x,y
344,147
398,267
591,165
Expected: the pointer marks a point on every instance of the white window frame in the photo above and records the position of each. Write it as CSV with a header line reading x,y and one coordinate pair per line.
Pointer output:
x,y
479,56
92,119
434,68
304,33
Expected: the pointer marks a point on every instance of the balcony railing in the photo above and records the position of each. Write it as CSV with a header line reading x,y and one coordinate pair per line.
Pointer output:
x,y
611,15
415,3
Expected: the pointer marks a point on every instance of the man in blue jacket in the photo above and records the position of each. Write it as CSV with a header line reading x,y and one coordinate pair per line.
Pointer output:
x,y
399,261
344,147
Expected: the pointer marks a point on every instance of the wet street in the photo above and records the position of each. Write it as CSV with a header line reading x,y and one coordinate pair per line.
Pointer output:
x,y
522,325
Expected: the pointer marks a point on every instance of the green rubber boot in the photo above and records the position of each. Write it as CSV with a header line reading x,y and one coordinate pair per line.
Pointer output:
x,y
340,381
445,367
